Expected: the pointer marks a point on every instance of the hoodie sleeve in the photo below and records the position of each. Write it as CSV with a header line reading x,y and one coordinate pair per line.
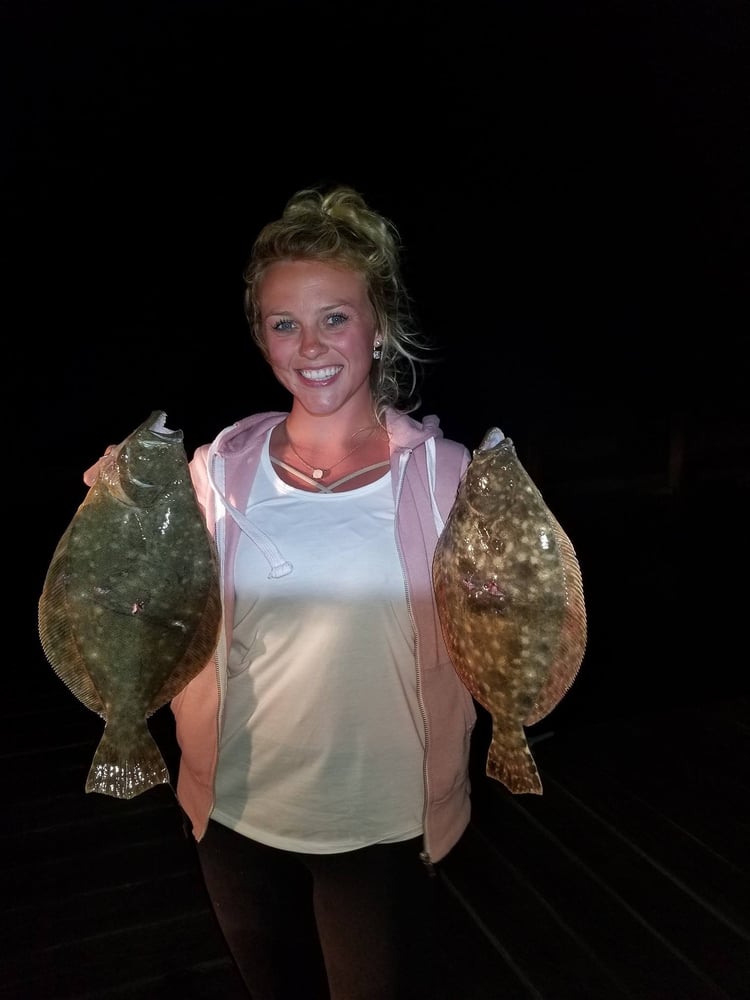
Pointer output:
x,y
453,461
199,475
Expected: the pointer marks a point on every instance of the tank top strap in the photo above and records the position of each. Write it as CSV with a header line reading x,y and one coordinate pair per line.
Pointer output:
x,y
339,482
359,472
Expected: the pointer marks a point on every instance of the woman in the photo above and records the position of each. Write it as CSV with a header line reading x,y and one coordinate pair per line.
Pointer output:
x,y
324,753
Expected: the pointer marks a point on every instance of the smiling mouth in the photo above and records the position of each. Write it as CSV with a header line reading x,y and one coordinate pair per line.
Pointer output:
x,y
320,374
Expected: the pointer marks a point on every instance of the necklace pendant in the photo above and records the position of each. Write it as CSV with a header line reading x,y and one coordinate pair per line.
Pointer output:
x,y
318,473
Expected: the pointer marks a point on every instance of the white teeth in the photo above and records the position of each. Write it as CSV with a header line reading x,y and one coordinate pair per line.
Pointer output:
x,y
320,374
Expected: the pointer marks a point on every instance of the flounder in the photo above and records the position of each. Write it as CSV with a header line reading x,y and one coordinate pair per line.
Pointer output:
x,y
130,609
510,599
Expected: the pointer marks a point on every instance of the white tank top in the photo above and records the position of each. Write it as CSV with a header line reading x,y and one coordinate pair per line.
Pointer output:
x,y
320,751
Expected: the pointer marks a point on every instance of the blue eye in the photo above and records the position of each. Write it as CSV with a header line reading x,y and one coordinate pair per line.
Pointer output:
x,y
336,319
282,325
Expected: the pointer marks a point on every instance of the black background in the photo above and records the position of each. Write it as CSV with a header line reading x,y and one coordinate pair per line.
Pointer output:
x,y
570,182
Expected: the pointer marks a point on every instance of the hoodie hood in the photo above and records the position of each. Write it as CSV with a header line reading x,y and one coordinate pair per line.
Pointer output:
x,y
240,445
241,437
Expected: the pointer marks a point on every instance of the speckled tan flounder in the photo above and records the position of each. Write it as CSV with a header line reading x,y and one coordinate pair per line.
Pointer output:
x,y
130,609
510,598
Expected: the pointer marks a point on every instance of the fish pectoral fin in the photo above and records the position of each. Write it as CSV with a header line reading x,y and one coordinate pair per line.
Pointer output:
x,y
483,593
513,767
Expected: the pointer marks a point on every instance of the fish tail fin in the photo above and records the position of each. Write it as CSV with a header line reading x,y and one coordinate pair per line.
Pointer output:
x,y
125,769
514,767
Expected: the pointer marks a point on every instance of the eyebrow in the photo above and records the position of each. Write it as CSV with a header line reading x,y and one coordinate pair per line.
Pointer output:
x,y
326,308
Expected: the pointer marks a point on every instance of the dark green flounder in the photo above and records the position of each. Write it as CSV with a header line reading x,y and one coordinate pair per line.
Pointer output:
x,y
510,599
130,610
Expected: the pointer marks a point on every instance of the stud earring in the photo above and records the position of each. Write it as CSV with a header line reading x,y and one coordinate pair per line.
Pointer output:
x,y
376,352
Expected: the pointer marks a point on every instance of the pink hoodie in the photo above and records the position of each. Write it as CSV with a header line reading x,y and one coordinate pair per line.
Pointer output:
x,y
426,470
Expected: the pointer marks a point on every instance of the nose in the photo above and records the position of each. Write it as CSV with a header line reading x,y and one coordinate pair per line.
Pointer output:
x,y
311,346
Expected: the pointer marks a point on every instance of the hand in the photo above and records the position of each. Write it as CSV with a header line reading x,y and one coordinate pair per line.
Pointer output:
x,y
91,474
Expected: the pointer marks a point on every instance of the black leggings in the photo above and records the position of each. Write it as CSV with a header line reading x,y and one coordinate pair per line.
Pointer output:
x,y
351,926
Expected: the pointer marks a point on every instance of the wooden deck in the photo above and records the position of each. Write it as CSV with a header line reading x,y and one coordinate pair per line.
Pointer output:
x,y
627,878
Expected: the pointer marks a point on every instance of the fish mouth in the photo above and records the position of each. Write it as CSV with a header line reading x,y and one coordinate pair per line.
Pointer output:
x,y
157,424
491,439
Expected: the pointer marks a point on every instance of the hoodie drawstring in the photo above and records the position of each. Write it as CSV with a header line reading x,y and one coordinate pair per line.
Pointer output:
x,y
279,565
432,478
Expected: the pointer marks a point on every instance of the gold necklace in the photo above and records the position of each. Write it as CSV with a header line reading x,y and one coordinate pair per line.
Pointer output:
x,y
320,473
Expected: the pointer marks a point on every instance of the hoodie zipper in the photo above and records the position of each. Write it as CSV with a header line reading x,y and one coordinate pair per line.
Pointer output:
x,y
215,464
424,855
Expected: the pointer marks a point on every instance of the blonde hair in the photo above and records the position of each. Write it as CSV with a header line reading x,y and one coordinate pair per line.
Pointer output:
x,y
337,226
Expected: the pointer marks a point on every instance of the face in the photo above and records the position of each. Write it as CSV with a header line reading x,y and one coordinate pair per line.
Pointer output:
x,y
319,331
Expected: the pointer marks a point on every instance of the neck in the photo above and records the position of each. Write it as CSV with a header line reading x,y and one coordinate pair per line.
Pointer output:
x,y
331,433
323,451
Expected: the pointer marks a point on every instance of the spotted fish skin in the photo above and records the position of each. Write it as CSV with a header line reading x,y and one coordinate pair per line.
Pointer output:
x,y
130,609
510,600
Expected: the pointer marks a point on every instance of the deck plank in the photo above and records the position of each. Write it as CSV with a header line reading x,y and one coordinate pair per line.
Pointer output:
x,y
627,879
